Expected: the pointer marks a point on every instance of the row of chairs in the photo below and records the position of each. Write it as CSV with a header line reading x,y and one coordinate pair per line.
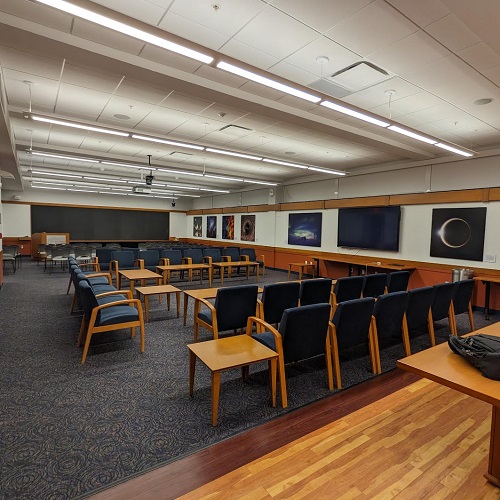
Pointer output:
x,y
12,254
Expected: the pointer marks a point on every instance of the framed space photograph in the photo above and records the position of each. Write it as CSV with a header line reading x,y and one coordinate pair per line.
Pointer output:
x,y
248,228
211,226
228,227
305,229
197,227
458,233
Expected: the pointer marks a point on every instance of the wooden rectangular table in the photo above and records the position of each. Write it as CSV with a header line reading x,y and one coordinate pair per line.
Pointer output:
x,y
166,270
147,291
487,280
441,365
225,354
302,266
240,263
134,275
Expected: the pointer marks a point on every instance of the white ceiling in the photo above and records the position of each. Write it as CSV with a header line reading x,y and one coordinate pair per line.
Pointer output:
x,y
439,56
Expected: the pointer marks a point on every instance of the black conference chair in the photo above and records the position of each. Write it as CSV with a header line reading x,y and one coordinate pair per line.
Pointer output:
x,y
442,303
348,288
276,298
231,254
103,257
172,257
149,259
418,312
9,255
462,302
211,255
374,284
389,322
192,256
233,306
249,254
304,333
398,281
122,260
315,291
352,322
103,317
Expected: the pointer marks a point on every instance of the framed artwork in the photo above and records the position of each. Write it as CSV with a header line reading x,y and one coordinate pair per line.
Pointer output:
x,y
228,227
248,228
197,227
211,226
305,229
458,233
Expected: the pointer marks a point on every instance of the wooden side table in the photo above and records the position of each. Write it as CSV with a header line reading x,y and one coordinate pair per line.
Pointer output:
x,y
146,291
302,266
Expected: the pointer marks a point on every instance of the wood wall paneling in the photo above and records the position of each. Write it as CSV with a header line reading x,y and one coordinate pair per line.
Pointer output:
x,y
263,208
235,210
460,196
303,205
371,201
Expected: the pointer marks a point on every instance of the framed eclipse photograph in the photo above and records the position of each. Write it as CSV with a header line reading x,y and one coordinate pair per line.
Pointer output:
x,y
305,229
458,233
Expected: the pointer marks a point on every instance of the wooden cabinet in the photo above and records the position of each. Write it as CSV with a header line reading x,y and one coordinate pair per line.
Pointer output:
x,y
23,242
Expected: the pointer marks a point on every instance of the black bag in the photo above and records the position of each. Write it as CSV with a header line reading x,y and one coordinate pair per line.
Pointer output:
x,y
482,351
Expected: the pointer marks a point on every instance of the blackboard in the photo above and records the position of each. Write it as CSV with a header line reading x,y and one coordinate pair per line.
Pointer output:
x,y
100,224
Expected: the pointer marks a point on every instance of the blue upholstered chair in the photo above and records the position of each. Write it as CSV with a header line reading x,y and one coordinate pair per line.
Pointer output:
x,y
462,302
418,312
348,288
398,281
211,255
304,333
315,291
442,303
172,257
134,250
276,298
389,322
374,284
102,317
192,256
103,257
149,259
122,260
249,254
233,305
352,322
231,254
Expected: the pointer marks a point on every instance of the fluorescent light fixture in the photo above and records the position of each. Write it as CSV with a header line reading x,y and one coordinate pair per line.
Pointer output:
x,y
180,172
261,182
354,114
452,149
110,23
267,82
183,187
54,121
413,135
222,178
39,172
166,141
165,197
104,179
119,194
215,190
121,189
126,165
45,187
287,164
232,153
326,171
62,157
83,190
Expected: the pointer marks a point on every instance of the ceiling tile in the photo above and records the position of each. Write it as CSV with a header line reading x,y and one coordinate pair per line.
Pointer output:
x,y
85,77
186,103
251,55
452,33
132,89
480,56
138,9
70,98
423,12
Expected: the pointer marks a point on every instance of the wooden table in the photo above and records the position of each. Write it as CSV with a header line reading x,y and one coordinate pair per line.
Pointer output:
x,y
166,270
146,291
225,354
240,263
200,293
302,266
441,365
487,280
137,274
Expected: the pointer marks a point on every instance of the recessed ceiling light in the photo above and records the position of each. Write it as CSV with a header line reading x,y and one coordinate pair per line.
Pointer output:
x,y
119,116
482,102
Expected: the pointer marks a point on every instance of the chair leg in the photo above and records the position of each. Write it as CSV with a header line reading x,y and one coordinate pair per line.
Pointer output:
x,y
132,332
196,329
430,324
69,285
336,361
451,319
471,317
87,344
281,369
406,337
328,356
83,328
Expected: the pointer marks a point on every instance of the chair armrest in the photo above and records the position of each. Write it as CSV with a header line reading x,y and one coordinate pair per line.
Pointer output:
x,y
113,265
94,275
253,320
128,293
208,260
262,258
128,302
226,258
208,304
187,260
139,263
245,258
164,261
94,265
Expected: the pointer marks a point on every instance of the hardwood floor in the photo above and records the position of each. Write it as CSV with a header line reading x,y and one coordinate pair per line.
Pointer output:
x,y
394,435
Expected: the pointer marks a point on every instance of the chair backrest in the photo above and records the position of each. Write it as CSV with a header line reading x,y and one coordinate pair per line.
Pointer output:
x,y
348,288
278,297
233,252
398,281
463,295
419,303
315,291
125,258
374,284
250,252
443,295
389,311
352,320
87,297
83,252
134,250
151,258
196,255
61,252
103,255
215,253
234,304
9,251
174,256
304,331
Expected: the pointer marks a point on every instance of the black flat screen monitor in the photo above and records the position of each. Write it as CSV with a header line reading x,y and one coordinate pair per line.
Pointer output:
x,y
369,227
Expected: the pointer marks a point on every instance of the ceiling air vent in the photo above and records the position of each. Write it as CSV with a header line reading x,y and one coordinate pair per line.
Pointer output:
x,y
235,130
180,154
359,75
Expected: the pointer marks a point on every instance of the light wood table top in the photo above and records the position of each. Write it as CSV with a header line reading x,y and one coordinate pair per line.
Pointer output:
x,y
146,291
225,354
166,270
139,274
239,263
302,266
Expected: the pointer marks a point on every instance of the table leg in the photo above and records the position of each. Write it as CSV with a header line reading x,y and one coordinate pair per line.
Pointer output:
x,y
186,297
215,396
168,302
210,276
289,269
493,474
300,272
222,275
132,286
272,364
248,271
487,301
257,272
192,366
178,298
146,306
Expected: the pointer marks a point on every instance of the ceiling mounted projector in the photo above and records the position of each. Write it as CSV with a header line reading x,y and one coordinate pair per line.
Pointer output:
x,y
141,189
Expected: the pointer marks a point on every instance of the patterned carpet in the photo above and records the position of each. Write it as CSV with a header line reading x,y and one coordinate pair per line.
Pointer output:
x,y
68,430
